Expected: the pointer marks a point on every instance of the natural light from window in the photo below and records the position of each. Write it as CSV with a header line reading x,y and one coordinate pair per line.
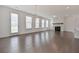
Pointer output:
x,y
46,23
14,23
43,21
37,23
28,22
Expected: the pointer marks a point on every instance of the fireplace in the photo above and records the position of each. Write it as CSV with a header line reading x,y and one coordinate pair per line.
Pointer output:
x,y
57,28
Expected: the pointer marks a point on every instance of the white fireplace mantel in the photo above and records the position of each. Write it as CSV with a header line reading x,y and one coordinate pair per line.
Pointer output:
x,y
59,24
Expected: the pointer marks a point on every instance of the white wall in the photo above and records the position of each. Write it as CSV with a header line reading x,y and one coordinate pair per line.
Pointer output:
x,y
69,23
5,22
76,26
58,19
72,24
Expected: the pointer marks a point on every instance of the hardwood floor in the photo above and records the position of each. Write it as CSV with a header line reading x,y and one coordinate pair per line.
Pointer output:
x,y
41,42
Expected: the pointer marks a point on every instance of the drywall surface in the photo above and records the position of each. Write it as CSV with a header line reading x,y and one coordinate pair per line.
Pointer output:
x,y
69,23
5,22
72,25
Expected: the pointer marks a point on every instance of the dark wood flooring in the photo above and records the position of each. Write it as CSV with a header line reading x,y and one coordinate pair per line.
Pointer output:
x,y
41,42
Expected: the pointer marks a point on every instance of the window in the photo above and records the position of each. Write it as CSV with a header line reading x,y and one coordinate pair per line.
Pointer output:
x,y
46,23
14,23
42,23
51,22
28,22
37,23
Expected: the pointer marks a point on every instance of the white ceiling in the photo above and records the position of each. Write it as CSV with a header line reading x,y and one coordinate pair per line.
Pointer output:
x,y
48,10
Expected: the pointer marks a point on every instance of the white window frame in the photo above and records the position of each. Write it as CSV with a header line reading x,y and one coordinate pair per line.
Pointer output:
x,y
51,23
14,23
42,23
37,23
28,23
47,23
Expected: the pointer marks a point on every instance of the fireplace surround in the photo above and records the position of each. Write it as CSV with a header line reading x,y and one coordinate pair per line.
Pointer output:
x,y
57,28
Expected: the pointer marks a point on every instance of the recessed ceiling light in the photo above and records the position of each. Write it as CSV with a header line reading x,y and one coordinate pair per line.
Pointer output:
x,y
67,7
